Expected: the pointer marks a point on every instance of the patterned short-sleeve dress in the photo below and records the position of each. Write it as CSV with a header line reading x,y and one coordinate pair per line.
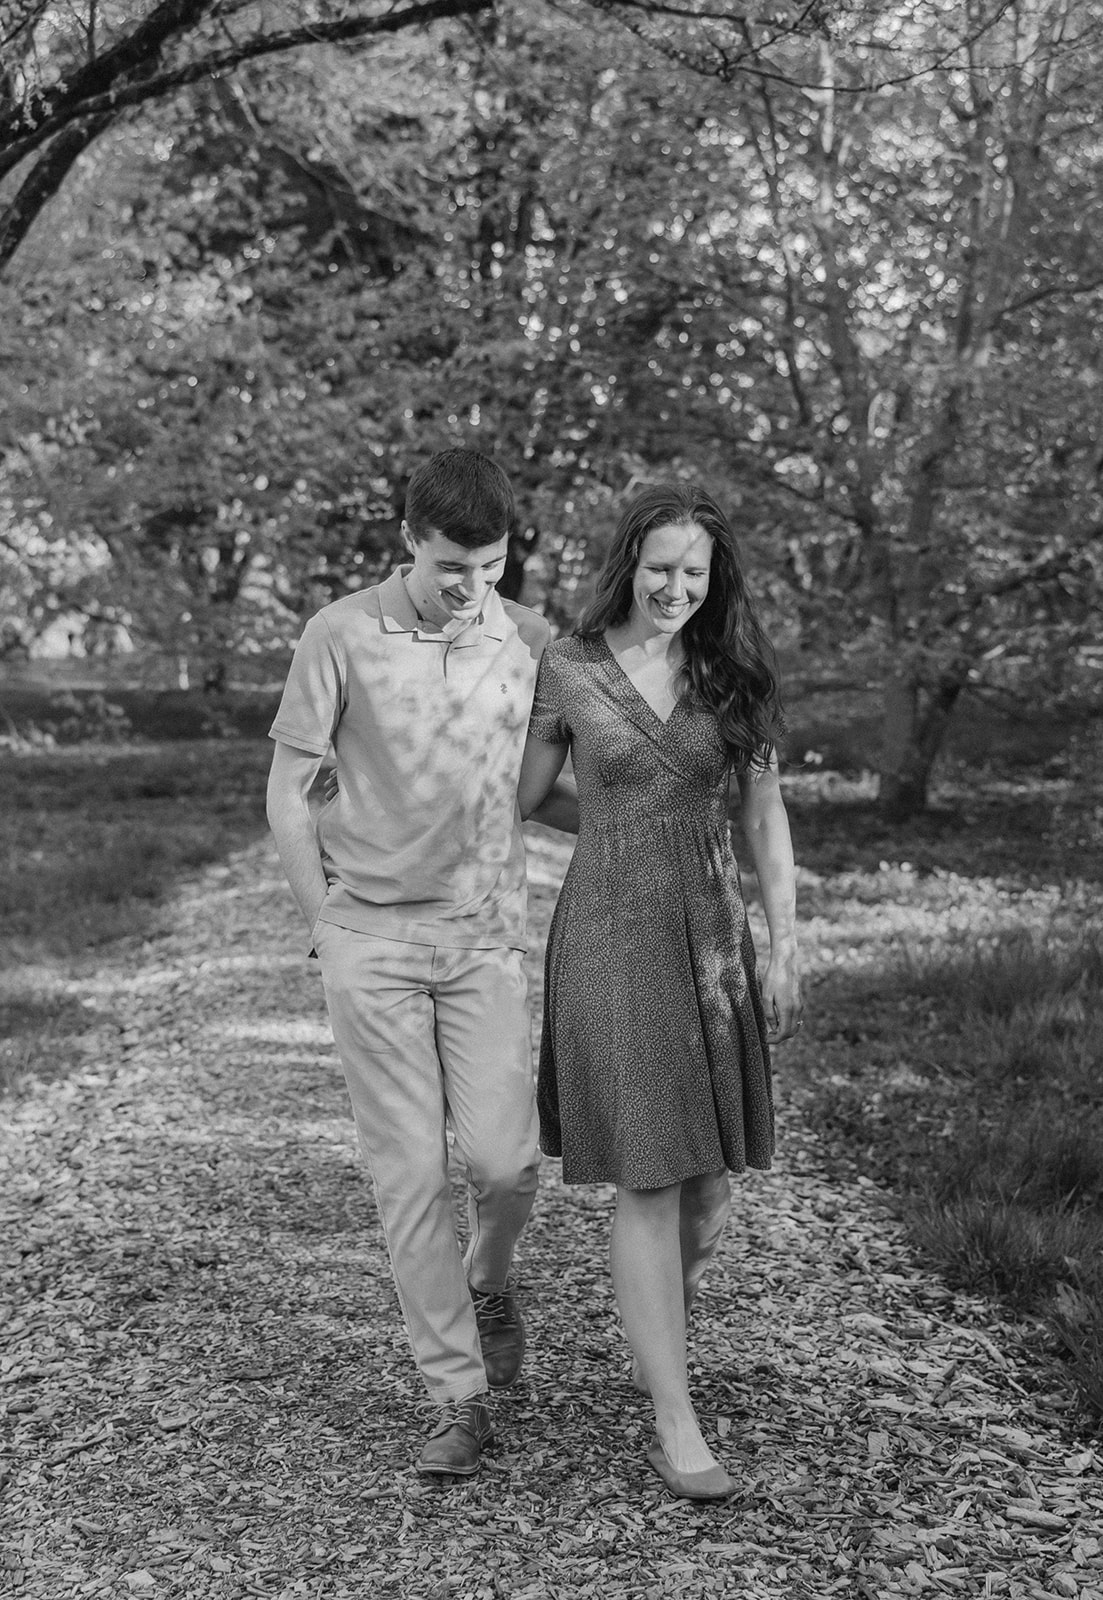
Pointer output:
x,y
654,1065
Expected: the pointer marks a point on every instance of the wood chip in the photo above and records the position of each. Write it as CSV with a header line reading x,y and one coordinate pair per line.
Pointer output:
x,y
1035,1517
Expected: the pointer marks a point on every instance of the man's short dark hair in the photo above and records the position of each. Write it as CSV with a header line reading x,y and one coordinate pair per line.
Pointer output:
x,y
463,495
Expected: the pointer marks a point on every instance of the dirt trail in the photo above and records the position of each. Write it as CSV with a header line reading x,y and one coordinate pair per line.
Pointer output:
x,y
208,1393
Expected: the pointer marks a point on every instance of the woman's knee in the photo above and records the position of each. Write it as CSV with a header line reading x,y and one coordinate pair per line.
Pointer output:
x,y
707,1195
654,1208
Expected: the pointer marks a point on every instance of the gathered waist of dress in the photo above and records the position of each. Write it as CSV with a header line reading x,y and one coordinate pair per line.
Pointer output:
x,y
702,822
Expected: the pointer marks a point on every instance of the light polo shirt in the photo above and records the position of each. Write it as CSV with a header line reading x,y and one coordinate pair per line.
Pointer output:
x,y
423,840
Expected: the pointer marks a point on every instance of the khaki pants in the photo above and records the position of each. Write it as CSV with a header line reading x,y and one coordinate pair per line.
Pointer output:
x,y
430,1036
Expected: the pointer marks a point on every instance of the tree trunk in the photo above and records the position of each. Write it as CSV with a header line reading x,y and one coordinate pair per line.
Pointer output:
x,y
914,726
215,677
512,579
902,795
520,547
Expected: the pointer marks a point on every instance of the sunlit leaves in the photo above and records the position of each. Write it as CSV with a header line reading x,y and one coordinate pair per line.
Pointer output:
x,y
868,319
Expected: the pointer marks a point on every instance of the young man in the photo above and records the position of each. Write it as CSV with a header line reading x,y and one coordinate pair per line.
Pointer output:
x,y
412,883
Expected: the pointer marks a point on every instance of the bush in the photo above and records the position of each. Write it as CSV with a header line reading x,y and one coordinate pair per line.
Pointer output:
x,y
87,719
68,719
153,714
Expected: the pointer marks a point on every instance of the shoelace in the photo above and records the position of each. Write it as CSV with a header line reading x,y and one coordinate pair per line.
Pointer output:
x,y
495,1308
462,1415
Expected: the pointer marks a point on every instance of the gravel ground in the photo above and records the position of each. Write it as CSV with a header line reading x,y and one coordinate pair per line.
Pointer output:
x,y
207,1392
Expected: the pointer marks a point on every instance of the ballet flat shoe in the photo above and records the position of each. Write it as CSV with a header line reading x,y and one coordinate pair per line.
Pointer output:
x,y
712,1484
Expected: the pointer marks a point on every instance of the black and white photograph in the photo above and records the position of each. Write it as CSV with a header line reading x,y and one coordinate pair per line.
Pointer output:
x,y
551,799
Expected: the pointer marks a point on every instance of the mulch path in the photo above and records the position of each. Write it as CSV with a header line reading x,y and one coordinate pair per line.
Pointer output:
x,y
207,1391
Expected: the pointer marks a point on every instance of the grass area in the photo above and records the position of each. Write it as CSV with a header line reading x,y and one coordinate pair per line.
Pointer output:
x,y
92,841
955,985
93,838
954,972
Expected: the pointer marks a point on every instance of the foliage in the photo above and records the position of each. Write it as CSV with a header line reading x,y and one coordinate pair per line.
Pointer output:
x,y
858,293
70,73
951,298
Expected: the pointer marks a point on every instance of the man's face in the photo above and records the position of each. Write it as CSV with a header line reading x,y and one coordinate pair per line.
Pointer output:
x,y
449,582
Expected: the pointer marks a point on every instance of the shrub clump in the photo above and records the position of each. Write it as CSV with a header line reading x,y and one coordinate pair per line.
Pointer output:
x,y
87,719
69,719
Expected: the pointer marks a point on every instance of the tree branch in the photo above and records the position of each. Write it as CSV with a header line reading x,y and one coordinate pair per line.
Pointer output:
x,y
1039,571
56,108
814,21
23,14
1046,292
43,182
73,126
79,101
771,166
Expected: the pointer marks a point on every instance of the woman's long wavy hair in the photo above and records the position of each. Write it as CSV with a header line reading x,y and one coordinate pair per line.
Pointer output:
x,y
730,667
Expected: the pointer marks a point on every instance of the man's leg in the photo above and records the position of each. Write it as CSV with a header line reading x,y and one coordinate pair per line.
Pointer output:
x,y
381,1010
485,1047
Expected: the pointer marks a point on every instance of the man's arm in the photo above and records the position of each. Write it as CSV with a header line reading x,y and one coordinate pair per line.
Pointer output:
x,y
289,780
542,795
559,807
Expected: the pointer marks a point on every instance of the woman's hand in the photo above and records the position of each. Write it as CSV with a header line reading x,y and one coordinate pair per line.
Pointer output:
x,y
781,995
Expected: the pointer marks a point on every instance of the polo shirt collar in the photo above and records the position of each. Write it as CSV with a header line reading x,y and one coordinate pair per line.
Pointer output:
x,y
398,615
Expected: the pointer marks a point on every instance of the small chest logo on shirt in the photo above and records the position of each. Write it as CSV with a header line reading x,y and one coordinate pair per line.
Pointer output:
x,y
503,688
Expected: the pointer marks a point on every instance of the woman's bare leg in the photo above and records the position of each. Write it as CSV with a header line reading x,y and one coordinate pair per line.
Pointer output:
x,y
704,1205
646,1260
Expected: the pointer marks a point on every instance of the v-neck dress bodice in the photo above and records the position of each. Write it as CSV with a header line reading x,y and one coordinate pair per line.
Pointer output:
x,y
653,1060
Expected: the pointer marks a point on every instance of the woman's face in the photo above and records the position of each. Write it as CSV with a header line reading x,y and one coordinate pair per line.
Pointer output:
x,y
671,578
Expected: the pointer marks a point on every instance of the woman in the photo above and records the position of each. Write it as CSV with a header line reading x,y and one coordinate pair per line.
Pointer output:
x,y
654,1062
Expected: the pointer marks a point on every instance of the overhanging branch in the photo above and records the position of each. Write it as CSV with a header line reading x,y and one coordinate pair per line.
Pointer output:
x,y
1043,570
121,96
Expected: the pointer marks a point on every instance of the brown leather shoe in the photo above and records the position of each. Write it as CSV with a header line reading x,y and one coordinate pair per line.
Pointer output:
x,y
501,1335
453,1449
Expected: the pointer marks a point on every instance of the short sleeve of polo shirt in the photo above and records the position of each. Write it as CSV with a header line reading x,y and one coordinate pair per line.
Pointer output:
x,y
548,721
314,694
